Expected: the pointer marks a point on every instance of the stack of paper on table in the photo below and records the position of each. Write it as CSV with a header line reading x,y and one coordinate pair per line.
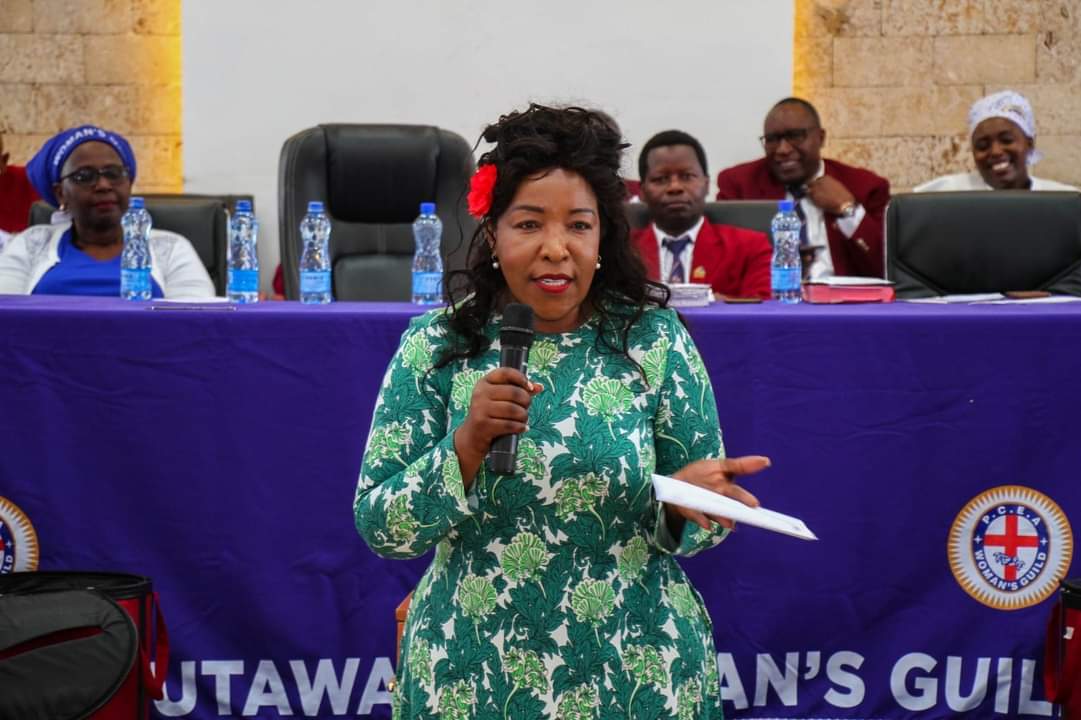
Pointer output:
x,y
690,294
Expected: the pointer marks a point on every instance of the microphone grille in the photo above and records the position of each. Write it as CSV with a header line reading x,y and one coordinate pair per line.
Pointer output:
x,y
517,326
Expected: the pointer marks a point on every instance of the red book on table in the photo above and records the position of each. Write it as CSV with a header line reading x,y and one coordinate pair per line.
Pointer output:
x,y
848,289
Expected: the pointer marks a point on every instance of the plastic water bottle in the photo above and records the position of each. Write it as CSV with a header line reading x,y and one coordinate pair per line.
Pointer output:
x,y
315,255
427,261
242,285
135,257
785,267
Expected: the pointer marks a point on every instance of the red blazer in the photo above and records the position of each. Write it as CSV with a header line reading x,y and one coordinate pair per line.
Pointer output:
x,y
734,261
862,254
16,197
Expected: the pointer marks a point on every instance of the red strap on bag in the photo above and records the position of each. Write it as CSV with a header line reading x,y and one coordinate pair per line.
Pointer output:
x,y
154,680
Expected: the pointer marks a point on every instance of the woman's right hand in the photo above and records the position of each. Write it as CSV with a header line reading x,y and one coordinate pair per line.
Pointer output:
x,y
499,406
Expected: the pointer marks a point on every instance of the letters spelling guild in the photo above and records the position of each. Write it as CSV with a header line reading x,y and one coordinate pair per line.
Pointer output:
x,y
18,541
1009,547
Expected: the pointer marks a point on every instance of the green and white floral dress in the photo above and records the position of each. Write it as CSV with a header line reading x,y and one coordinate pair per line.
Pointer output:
x,y
553,592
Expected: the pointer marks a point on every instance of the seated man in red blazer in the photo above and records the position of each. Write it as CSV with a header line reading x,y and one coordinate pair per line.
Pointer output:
x,y
680,245
843,207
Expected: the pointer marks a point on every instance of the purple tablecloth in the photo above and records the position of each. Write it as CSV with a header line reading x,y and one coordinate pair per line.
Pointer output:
x,y
216,450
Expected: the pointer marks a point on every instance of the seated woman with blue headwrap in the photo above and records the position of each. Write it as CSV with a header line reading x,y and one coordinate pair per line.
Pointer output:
x,y
87,172
1003,130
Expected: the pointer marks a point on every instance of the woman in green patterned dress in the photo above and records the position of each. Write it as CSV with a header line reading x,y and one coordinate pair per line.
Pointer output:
x,y
553,592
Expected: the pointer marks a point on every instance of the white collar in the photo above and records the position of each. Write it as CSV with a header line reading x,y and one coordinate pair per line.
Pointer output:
x,y
692,233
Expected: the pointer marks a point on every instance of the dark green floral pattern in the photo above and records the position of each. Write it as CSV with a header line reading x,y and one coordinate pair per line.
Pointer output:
x,y
634,558
592,602
420,660
688,699
553,593
684,600
456,702
524,558
579,703
542,357
526,671
417,354
646,667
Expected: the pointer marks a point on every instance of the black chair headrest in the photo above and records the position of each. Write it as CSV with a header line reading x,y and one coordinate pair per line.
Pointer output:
x,y
375,173
976,242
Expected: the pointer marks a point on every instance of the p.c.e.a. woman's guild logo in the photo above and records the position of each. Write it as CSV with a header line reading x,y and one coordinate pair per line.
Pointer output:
x,y
18,541
1010,546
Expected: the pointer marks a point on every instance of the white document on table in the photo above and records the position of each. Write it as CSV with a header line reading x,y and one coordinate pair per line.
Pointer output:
x,y
1052,300
951,299
677,492
845,280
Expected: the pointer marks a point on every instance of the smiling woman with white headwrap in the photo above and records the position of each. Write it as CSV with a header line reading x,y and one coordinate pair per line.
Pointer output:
x,y
1003,132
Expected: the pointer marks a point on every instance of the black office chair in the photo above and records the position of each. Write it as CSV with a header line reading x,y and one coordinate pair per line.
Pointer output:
x,y
750,214
202,219
372,179
980,242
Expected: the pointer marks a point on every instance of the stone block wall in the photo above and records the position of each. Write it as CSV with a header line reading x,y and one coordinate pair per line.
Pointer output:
x,y
114,63
893,79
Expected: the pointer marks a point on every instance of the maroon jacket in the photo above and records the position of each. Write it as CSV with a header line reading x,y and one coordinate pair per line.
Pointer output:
x,y
732,260
16,197
862,254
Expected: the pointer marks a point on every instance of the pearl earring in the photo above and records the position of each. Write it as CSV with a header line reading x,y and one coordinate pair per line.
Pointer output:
x,y
495,263
598,266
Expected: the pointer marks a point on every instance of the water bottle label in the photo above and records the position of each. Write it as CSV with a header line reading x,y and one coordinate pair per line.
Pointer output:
x,y
243,281
315,281
785,278
135,282
428,283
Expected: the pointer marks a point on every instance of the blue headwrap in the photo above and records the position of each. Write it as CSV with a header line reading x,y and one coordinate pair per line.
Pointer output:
x,y
44,169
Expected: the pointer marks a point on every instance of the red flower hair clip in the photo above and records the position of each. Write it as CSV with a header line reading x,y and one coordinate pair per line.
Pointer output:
x,y
480,190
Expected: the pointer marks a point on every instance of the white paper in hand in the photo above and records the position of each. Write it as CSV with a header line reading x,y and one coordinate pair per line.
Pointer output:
x,y
677,492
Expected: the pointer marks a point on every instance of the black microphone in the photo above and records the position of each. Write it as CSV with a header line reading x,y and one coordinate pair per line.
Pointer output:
x,y
515,339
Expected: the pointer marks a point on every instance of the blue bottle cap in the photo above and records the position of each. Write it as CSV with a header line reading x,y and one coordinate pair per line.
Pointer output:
x,y
427,208
786,205
243,205
315,206
136,203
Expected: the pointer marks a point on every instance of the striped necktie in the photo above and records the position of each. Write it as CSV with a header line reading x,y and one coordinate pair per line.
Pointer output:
x,y
677,274
807,253
798,193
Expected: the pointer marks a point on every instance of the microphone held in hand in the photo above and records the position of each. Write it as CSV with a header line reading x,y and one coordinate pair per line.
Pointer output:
x,y
515,339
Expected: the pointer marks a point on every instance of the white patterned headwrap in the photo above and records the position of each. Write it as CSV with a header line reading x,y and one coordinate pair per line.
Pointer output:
x,y
1010,105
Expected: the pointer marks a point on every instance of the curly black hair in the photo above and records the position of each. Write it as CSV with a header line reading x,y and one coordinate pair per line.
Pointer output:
x,y
527,144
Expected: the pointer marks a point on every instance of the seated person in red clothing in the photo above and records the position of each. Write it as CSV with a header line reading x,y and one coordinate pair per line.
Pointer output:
x,y
680,245
16,197
843,207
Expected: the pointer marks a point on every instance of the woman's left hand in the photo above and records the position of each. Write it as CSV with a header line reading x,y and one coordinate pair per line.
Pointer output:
x,y
720,477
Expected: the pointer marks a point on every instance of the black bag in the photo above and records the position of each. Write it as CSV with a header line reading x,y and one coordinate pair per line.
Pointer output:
x,y
1062,651
77,645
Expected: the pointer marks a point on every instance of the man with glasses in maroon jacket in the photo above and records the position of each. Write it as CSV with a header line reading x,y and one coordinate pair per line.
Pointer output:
x,y
842,207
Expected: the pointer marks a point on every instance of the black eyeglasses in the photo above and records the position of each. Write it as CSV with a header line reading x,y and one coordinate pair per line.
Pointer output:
x,y
89,175
795,136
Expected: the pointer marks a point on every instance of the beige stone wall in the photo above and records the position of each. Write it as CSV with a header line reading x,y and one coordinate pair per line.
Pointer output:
x,y
893,79
115,63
